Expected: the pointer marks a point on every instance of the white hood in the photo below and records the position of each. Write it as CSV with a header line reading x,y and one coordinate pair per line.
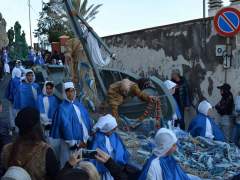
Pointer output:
x,y
164,141
204,107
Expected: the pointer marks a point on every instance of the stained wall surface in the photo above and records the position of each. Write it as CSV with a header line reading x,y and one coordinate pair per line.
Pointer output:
x,y
188,46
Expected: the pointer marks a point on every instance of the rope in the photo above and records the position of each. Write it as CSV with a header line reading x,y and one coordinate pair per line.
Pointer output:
x,y
153,104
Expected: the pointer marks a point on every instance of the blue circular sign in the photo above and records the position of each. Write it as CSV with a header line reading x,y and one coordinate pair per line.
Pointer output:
x,y
227,22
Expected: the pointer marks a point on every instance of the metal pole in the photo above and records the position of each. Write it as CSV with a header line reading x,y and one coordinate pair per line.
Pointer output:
x,y
204,9
30,26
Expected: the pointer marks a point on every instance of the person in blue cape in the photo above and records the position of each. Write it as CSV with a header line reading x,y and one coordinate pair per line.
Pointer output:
x,y
203,125
108,141
177,119
11,90
47,105
18,65
39,59
27,92
71,124
32,56
161,165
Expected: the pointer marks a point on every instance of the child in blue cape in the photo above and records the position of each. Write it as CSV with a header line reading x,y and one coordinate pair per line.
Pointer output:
x,y
177,118
71,124
161,165
108,141
27,92
203,125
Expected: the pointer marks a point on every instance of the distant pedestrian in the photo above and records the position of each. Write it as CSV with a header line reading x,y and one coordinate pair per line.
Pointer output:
x,y
225,108
182,92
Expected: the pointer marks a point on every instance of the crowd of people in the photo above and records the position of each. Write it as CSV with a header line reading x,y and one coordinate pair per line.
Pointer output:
x,y
57,139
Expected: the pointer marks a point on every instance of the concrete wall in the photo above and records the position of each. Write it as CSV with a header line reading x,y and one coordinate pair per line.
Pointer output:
x,y
158,50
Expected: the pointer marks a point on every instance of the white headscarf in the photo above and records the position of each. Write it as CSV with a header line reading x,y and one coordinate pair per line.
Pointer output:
x,y
66,86
164,141
45,86
204,107
106,123
25,74
16,73
169,84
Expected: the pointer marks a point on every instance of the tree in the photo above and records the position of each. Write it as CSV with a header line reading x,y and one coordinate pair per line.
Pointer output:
x,y
53,21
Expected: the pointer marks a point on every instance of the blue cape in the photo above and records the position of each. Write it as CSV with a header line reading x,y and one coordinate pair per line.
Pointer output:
x,y
170,169
198,127
53,105
12,88
121,155
24,96
39,60
31,57
66,125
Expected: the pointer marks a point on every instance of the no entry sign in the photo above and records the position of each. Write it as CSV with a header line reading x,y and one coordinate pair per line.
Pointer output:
x,y
227,22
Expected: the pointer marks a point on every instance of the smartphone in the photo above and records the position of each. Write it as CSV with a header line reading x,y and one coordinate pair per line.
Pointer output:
x,y
88,154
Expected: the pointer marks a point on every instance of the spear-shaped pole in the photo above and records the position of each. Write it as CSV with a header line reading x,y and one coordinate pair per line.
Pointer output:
x,y
73,17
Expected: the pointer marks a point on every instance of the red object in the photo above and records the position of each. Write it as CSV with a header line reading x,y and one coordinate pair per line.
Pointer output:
x,y
56,47
227,22
63,40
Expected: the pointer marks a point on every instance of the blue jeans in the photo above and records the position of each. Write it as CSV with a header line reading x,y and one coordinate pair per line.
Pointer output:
x,y
236,135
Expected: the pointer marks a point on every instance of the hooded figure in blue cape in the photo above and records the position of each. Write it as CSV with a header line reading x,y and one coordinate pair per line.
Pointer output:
x,y
11,90
13,85
108,141
71,124
27,93
176,117
47,103
161,165
203,125
32,56
39,59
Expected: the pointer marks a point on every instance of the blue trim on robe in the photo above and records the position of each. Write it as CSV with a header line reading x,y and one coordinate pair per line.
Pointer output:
x,y
121,155
53,105
198,127
170,169
66,124
24,96
12,88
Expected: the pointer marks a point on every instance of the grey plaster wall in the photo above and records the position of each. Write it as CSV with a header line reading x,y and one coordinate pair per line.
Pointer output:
x,y
157,51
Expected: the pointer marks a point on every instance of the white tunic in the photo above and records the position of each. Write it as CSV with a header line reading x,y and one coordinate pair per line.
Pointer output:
x,y
209,132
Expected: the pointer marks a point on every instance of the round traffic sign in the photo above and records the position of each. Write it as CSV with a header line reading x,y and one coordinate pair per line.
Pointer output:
x,y
227,21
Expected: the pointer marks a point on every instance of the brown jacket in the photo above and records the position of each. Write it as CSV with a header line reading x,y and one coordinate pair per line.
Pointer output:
x,y
117,92
30,157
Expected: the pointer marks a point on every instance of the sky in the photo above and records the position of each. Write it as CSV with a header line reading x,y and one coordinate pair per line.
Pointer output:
x,y
114,16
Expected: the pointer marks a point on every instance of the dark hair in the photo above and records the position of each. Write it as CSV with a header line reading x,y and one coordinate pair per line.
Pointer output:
x,y
50,84
143,83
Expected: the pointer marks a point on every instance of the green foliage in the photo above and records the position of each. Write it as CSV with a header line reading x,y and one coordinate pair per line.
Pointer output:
x,y
53,20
